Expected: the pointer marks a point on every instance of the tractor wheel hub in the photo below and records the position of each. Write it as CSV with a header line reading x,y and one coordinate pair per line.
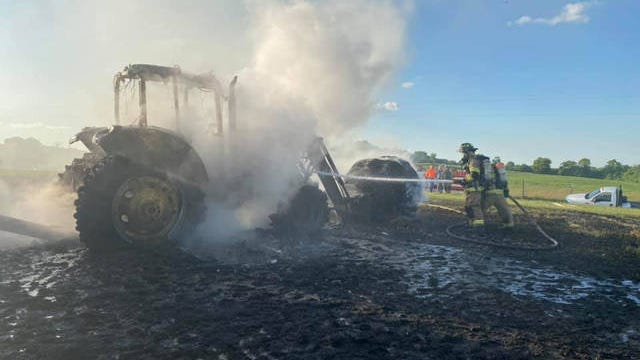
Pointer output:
x,y
146,209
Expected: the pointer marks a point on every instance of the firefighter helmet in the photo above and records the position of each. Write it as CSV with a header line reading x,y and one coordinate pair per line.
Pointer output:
x,y
466,147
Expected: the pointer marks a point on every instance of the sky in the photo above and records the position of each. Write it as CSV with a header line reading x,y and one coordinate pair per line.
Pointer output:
x,y
518,79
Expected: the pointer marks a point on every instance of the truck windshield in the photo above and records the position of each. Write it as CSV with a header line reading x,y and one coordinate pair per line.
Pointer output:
x,y
592,194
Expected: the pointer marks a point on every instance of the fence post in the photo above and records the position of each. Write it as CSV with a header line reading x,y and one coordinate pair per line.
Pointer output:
x,y
523,188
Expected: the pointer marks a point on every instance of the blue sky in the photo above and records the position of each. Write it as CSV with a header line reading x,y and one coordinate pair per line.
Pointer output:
x,y
519,79
562,88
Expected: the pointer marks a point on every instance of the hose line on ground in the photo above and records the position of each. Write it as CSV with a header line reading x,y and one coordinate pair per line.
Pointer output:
x,y
554,242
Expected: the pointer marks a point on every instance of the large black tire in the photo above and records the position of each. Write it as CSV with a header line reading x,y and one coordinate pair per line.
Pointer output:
x,y
101,197
305,215
380,201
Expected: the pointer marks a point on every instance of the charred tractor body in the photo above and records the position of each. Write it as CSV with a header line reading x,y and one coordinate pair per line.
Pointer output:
x,y
146,185
141,184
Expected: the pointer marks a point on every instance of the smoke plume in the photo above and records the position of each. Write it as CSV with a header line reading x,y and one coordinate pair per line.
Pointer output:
x,y
316,68
305,69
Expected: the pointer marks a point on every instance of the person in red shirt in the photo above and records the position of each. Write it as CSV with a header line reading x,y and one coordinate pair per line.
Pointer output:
x,y
430,174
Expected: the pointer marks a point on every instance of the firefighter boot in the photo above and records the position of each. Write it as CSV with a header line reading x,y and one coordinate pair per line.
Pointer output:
x,y
478,227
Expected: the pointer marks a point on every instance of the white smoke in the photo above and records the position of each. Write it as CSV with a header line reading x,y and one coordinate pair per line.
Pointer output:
x,y
333,55
307,68
38,201
315,71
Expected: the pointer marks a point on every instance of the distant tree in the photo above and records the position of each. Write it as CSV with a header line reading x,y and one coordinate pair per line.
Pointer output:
x,y
614,169
632,174
584,162
568,168
523,168
585,169
432,158
419,157
542,165
510,166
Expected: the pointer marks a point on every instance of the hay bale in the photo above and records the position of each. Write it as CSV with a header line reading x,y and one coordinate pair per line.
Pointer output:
x,y
376,201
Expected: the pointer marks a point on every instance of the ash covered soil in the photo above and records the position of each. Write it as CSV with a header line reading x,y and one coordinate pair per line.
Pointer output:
x,y
402,290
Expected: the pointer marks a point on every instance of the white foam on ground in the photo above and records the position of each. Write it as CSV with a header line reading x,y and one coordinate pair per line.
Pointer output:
x,y
49,269
431,269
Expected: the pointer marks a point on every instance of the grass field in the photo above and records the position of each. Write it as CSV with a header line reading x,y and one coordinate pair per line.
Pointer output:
x,y
555,187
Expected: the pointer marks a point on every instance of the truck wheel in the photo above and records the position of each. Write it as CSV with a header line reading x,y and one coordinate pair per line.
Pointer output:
x,y
121,203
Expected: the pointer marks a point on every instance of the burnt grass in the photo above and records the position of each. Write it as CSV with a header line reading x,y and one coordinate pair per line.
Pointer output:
x,y
323,303
598,245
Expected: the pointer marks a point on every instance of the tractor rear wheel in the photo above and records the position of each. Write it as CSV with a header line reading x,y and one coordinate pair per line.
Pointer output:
x,y
121,202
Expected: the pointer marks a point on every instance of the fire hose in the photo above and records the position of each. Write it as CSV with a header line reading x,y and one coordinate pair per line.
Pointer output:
x,y
553,242
450,228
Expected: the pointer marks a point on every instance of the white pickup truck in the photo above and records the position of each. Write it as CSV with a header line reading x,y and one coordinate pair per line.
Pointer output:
x,y
605,196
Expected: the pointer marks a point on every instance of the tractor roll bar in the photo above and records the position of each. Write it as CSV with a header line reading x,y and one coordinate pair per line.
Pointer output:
x,y
164,74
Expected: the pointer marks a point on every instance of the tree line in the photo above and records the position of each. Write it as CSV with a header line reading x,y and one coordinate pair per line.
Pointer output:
x,y
613,170
421,157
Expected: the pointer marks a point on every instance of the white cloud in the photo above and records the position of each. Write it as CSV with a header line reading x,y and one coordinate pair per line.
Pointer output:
x,y
408,84
388,106
572,13
36,125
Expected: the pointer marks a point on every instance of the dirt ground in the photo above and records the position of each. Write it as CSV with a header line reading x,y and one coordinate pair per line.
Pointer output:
x,y
402,290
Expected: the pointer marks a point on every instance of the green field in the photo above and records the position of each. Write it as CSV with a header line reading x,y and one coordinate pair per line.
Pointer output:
x,y
555,187
548,192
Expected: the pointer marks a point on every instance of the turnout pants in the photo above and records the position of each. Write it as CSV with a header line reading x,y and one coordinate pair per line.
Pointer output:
x,y
478,202
496,198
473,207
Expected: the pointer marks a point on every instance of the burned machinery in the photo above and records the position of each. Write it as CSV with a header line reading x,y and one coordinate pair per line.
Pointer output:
x,y
145,185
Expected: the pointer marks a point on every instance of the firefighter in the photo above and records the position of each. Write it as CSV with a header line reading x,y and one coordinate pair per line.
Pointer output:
x,y
485,185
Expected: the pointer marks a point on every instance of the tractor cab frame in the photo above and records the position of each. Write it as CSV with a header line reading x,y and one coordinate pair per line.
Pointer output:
x,y
207,82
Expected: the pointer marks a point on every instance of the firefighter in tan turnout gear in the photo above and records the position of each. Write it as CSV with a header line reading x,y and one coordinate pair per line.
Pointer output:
x,y
485,185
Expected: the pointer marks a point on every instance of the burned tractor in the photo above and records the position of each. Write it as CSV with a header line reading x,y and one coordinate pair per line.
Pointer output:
x,y
139,183
144,185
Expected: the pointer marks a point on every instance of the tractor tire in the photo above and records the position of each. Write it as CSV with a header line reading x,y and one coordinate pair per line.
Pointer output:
x,y
305,215
122,203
